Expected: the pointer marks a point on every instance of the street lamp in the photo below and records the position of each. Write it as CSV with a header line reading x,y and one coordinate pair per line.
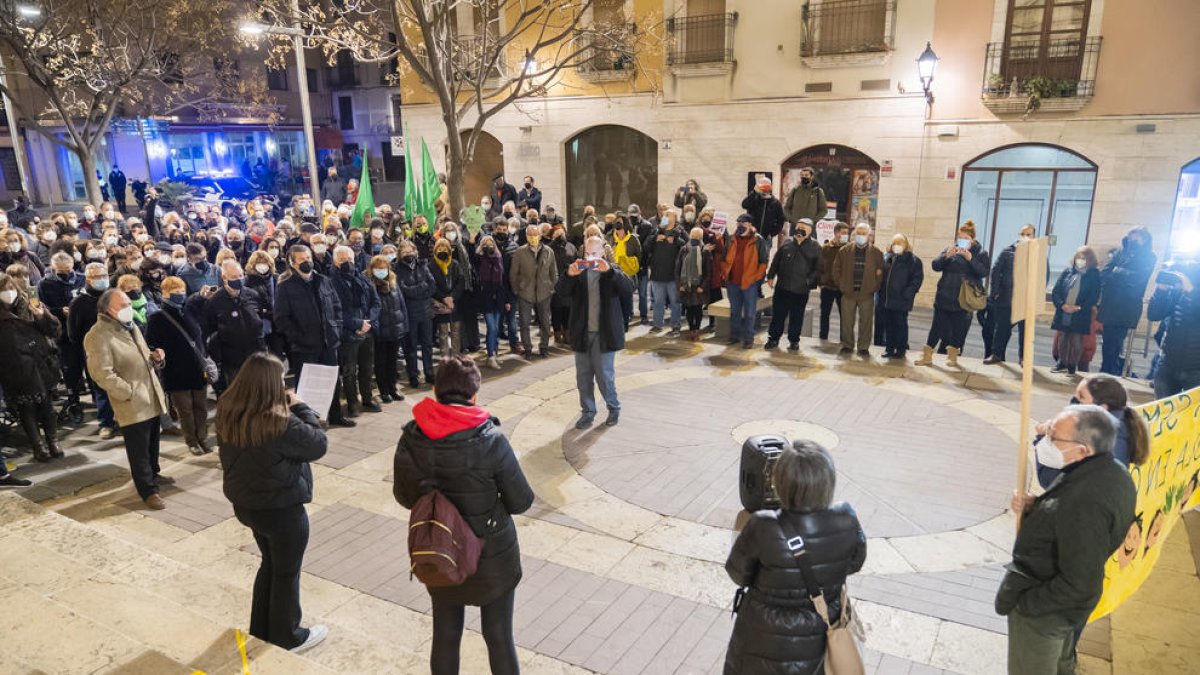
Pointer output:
x,y
297,36
926,67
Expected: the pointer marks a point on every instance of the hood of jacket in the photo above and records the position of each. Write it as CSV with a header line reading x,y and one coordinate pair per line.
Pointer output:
x,y
439,420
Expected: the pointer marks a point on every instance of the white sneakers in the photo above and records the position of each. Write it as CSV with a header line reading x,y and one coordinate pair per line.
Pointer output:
x,y
316,635
493,363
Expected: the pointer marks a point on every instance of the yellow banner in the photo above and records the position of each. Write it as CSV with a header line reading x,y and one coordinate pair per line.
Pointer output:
x,y
1166,487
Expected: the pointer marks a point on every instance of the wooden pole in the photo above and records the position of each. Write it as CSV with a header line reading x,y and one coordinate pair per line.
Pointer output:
x,y
1034,287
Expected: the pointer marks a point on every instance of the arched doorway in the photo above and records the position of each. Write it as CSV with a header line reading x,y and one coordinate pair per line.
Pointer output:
x,y
850,180
487,161
1043,185
1185,226
610,167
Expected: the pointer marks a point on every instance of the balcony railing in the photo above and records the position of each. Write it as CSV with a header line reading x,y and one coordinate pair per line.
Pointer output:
x,y
1062,69
698,40
606,54
837,27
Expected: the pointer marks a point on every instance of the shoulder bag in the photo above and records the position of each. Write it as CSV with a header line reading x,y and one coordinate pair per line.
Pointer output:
x,y
971,296
842,656
207,365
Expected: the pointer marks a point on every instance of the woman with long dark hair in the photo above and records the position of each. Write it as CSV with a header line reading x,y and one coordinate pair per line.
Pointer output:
x,y
27,335
493,294
267,438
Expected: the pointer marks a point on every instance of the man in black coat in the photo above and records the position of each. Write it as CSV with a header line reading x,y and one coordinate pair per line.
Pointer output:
x,y
766,210
1122,284
597,328
333,187
999,302
1067,535
529,197
502,192
233,321
360,311
794,271
309,314
81,316
1176,303
117,183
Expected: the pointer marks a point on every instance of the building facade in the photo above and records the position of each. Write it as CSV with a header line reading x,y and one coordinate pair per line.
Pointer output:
x,y
1051,112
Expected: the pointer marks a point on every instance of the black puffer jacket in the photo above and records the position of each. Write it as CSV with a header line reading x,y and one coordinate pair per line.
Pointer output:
x,y
1123,283
798,266
183,370
766,212
777,629
31,359
276,475
1180,317
308,313
417,285
393,314
461,450
902,278
1001,291
955,269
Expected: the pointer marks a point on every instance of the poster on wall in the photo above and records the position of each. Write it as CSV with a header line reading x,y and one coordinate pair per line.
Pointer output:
x,y
864,209
865,182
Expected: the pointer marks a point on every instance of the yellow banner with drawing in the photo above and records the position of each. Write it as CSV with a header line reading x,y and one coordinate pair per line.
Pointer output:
x,y
1166,487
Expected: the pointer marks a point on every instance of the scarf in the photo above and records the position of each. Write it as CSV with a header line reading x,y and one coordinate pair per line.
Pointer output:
x,y
491,269
690,274
444,266
139,310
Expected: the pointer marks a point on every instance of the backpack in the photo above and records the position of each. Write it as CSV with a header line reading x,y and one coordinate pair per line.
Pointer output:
x,y
442,548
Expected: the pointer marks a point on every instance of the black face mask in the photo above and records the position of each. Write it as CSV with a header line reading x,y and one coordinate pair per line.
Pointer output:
x,y
806,181
134,295
443,256
1074,400
528,185
409,260
305,267
346,267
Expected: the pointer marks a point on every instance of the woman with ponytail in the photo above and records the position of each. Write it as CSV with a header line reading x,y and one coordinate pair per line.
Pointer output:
x,y
1132,445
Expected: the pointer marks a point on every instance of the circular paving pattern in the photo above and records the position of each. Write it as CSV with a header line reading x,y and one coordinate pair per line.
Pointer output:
x,y
909,465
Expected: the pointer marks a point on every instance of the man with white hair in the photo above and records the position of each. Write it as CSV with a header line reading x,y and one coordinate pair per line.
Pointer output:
x,y
360,311
857,271
533,275
233,322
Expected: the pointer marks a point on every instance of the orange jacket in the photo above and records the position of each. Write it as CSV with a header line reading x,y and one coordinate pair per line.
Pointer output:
x,y
755,253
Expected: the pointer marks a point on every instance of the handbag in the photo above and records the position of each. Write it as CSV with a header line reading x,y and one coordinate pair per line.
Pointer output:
x,y
971,296
842,655
209,367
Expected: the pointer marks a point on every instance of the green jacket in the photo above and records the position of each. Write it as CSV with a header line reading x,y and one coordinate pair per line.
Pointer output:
x,y
805,202
1066,539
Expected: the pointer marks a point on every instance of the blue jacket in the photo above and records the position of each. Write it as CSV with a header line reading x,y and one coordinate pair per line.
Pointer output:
x,y
197,276
308,313
360,302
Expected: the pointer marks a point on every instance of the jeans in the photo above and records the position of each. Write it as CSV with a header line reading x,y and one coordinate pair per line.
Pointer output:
x,y
666,292
1042,645
949,327
141,447
643,285
492,319
496,624
282,536
419,338
543,318
743,307
598,367
1169,381
1112,349
1002,326
508,325
192,407
862,306
326,357
356,360
787,307
829,296
386,353
895,330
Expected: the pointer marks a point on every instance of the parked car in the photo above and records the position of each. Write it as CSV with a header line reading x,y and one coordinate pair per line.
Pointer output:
x,y
231,192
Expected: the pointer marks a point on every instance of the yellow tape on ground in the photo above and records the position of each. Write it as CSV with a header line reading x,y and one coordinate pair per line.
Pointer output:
x,y
241,643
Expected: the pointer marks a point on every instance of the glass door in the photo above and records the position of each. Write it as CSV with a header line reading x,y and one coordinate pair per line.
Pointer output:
x,y
1069,222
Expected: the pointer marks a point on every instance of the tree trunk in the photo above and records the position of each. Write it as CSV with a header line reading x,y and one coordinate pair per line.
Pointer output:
x,y
90,180
456,172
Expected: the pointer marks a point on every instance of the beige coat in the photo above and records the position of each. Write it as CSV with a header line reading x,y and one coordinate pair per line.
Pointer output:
x,y
119,361
533,277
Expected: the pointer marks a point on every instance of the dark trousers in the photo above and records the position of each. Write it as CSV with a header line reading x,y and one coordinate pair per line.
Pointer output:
x,y
496,624
560,317
895,330
949,328
37,420
356,361
141,447
1002,326
829,296
1169,381
987,325
326,357
1112,349
468,309
419,339
695,316
386,353
192,407
282,536
787,307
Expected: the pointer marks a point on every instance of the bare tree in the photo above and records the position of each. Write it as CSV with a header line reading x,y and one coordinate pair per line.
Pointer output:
x,y
477,57
88,60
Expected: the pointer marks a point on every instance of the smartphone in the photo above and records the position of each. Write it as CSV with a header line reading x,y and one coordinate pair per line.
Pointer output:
x,y
589,263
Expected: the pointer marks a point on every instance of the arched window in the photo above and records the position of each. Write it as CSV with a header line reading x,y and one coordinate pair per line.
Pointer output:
x,y
850,180
610,167
1043,185
1185,226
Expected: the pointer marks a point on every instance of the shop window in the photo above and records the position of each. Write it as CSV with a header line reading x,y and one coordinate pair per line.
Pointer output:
x,y
611,167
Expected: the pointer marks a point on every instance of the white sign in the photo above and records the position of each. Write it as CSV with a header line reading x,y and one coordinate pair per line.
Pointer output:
x,y
397,145
316,387
719,221
824,227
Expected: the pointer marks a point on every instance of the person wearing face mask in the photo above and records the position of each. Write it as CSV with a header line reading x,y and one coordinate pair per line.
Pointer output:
x,y
503,193
693,274
131,286
30,371
507,243
390,328
16,253
857,271
689,194
1075,295
746,257
360,312
195,270
417,285
43,249
468,303
963,262
377,237
122,364
333,188
448,278
422,237
308,313
560,311
236,242
575,231
714,244
627,252
1131,445
529,197
81,317
550,216
87,222
1067,535
494,294
806,200
534,273
661,258
903,275
1000,298
766,212
830,295
233,322
1122,285
179,336
356,240
793,274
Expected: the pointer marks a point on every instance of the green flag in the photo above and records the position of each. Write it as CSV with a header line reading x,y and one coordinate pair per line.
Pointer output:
x,y
411,184
431,190
364,203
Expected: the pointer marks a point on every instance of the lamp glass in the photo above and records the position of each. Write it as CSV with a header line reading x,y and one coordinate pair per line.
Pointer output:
x,y
927,64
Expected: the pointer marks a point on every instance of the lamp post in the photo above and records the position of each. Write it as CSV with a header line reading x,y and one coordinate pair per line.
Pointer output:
x,y
27,12
926,67
297,35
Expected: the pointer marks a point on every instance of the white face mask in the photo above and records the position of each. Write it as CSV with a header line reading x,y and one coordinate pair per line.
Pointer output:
x,y
141,237
273,252
1080,264
179,262
111,241
843,238
78,256
96,254
136,264
49,236
898,249
1048,454
860,239
689,217
452,236
963,243
125,315
89,214
320,249
8,297
3,219
14,246
108,215
262,269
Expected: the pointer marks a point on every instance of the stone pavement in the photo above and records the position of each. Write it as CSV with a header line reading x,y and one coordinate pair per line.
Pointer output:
x,y
623,551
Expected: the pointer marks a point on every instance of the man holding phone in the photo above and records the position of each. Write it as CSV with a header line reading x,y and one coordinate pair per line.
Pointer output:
x,y
595,289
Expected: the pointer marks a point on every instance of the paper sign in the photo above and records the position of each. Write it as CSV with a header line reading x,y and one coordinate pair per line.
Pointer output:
x,y
473,217
397,146
885,169
719,221
825,226
316,387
